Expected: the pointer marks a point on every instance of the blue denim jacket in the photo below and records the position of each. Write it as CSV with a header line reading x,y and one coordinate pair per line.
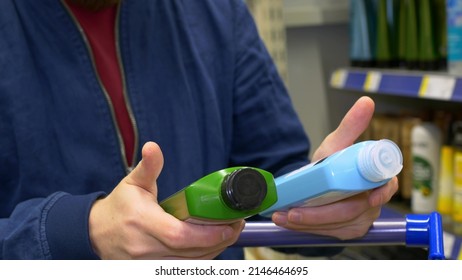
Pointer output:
x,y
199,83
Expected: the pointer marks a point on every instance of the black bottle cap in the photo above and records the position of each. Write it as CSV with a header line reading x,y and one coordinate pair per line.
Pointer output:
x,y
244,189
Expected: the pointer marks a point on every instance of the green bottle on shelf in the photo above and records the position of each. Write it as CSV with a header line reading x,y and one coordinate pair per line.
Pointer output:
x,y
428,55
223,196
386,34
402,38
441,38
362,33
411,41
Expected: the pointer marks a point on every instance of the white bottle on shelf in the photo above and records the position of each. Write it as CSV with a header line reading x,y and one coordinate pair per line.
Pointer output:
x,y
425,148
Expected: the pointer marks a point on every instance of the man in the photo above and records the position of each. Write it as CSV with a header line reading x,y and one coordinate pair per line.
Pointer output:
x,y
98,126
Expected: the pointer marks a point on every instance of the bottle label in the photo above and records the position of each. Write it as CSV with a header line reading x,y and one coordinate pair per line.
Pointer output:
x,y
422,176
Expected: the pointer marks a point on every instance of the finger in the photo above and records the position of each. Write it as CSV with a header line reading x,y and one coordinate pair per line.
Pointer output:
x,y
354,229
179,235
208,252
342,211
208,256
371,214
148,169
353,124
383,194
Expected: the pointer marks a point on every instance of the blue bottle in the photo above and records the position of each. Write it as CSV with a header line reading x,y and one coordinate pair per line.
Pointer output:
x,y
454,36
362,32
360,167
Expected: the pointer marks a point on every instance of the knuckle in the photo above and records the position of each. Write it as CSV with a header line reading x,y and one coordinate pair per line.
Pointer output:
x,y
136,250
174,238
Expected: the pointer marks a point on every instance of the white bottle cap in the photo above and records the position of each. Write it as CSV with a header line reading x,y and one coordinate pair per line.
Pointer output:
x,y
380,160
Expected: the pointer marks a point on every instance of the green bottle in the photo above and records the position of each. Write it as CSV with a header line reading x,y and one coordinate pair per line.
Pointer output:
x,y
386,34
427,48
402,21
362,33
440,22
383,36
224,196
412,42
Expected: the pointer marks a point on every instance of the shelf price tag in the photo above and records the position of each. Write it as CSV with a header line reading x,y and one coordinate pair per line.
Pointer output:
x,y
339,78
437,87
372,82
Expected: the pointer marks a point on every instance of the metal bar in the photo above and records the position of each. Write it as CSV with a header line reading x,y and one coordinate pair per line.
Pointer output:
x,y
382,232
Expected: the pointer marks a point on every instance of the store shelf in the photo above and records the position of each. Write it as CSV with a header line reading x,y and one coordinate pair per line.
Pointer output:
x,y
428,85
314,12
414,84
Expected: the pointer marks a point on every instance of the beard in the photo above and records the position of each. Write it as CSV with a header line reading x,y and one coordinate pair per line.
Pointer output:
x,y
94,5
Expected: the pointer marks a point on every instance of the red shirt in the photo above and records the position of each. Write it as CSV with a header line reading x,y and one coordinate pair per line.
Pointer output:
x,y
99,27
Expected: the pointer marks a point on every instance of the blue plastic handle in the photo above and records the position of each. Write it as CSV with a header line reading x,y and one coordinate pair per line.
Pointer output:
x,y
426,231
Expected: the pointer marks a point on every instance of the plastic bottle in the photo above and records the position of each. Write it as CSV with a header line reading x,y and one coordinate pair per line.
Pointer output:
x,y
360,167
412,33
362,32
387,34
446,177
457,182
384,41
428,55
402,29
425,149
223,196
454,36
441,36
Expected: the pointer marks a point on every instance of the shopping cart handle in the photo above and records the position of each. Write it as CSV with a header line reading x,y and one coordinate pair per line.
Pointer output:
x,y
415,230
426,231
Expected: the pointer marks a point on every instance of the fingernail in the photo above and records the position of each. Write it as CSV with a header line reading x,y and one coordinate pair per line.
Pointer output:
x,y
295,216
242,226
227,234
280,218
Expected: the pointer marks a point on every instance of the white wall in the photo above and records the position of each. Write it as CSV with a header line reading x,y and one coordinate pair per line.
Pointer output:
x,y
313,53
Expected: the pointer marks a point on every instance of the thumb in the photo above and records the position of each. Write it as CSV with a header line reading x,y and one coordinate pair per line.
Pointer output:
x,y
353,124
148,169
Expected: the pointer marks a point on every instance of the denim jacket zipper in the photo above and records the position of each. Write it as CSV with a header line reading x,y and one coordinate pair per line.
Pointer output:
x,y
128,166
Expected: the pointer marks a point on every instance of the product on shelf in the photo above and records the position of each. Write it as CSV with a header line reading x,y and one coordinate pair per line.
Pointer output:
x,y
446,172
362,33
428,51
454,36
409,34
386,34
457,187
426,147
405,181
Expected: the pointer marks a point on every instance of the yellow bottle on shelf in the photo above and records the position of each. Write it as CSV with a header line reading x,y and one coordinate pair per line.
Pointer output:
x,y
457,183
446,173
445,192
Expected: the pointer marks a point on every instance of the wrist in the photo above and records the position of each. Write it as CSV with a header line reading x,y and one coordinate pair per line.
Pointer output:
x,y
95,229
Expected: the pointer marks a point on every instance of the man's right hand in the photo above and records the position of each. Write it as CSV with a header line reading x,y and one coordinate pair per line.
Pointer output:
x,y
130,224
